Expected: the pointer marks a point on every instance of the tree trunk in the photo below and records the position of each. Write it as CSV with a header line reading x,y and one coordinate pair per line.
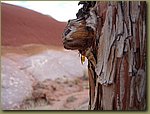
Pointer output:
x,y
116,53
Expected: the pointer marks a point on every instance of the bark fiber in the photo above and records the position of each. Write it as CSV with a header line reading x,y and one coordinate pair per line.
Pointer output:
x,y
116,53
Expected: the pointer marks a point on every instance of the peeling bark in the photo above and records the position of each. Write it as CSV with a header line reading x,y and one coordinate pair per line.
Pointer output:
x,y
112,35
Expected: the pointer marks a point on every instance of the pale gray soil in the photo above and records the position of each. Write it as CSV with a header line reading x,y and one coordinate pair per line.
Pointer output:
x,y
49,80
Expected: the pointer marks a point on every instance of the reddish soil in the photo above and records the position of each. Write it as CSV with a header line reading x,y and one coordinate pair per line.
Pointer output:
x,y
27,35
23,26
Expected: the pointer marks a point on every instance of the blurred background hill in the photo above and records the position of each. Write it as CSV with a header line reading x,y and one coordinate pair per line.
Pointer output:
x,y
37,72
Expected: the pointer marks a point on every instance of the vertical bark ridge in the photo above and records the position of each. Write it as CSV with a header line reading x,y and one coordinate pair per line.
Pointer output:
x,y
112,35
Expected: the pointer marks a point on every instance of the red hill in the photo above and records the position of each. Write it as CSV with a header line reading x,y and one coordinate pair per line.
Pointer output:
x,y
23,26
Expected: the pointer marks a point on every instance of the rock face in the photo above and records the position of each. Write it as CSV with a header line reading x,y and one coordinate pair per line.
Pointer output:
x,y
16,84
28,81
53,65
37,73
116,53
22,26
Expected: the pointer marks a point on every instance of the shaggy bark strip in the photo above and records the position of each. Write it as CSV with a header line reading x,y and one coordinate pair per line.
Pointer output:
x,y
112,35
122,37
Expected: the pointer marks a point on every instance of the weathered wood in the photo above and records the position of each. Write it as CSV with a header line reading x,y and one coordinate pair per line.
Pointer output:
x,y
125,34
79,36
112,35
108,97
92,86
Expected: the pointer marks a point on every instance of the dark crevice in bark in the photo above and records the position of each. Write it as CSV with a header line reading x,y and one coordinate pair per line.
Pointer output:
x,y
115,34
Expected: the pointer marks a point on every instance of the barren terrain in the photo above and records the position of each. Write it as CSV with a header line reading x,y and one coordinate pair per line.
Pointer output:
x,y
37,73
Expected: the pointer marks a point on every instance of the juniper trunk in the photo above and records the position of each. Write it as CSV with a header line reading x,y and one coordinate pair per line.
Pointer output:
x,y
112,35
